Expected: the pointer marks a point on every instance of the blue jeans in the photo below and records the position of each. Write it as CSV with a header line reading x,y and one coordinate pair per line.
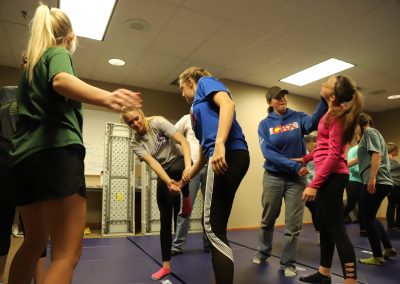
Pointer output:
x,y
183,224
275,188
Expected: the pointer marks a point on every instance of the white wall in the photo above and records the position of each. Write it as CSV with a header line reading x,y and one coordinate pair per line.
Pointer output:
x,y
251,108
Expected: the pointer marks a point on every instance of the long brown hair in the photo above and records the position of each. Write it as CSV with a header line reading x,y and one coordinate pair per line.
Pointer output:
x,y
348,96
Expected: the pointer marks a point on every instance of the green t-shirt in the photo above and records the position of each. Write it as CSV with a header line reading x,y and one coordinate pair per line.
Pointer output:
x,y
45,118
354,172
373,142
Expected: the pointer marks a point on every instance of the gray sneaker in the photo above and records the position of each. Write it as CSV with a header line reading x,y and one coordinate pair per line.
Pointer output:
x,y
289,271
259,260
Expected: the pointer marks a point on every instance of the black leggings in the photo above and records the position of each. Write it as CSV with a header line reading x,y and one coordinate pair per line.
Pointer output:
x,y
353,191
219,195
369,206
393,208
169,205
314,216
332,229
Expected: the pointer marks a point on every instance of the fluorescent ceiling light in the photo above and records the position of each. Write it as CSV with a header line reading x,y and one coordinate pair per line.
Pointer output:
x,y
393,97
316,72
89,18
116,62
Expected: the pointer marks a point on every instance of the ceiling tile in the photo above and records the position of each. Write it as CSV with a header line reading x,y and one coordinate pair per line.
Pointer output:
x,y
185,33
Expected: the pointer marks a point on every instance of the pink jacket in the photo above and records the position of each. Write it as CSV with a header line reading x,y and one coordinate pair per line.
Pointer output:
x,y
329,154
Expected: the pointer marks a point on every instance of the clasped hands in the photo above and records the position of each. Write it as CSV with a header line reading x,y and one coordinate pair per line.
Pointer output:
x,y
175,187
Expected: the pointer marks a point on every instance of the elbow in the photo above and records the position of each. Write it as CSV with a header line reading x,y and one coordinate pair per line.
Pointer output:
x,y
58,82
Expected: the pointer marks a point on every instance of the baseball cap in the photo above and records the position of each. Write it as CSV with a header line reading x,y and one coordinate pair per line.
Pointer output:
x,y
276,92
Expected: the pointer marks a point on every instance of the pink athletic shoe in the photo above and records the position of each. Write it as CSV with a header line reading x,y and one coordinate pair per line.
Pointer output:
x,y
186,206
160,273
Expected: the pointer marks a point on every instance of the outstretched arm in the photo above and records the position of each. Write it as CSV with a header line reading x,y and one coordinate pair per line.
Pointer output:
x,y
71,87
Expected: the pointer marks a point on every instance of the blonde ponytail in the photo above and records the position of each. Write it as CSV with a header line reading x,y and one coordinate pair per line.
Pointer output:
x,y
49,27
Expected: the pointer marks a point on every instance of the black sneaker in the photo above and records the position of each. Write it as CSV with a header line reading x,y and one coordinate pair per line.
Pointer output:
x,y
316,278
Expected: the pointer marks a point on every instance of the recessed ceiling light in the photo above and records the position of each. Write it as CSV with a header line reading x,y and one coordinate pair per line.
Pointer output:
x,y
116,62
318,71
393,97
138,25
89,18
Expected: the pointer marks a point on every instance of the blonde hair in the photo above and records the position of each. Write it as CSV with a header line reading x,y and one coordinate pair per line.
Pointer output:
x,y
194,73
49,27
392,147
146,120
346,93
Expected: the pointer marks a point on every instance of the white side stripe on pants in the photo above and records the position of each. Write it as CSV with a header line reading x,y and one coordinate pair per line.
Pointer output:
x,y
217,243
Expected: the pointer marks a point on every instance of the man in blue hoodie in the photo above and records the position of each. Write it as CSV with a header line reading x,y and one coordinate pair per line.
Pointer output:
x,y
281,136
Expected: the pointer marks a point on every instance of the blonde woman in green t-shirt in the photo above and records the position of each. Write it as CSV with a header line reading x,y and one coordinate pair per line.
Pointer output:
x,y
48,153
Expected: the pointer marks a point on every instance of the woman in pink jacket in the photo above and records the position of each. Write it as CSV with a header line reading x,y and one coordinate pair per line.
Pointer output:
x,y
335,131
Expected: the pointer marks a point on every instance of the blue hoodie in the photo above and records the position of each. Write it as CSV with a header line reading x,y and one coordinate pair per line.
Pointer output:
x,y
282,138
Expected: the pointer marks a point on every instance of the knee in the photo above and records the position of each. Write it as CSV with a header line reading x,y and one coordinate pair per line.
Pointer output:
x,y
292,235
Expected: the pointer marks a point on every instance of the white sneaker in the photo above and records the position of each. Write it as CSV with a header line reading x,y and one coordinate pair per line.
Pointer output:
x,y
289,271
258,260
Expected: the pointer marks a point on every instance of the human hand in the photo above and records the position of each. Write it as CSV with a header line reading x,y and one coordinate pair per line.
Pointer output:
x,y
185,174
121,99
303,172
174,187
309,194
371,185
218,161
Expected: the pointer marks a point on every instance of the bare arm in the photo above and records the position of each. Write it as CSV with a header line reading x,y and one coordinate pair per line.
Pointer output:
x,y
375,162
156,166
194,170
73,88
352,162
180,139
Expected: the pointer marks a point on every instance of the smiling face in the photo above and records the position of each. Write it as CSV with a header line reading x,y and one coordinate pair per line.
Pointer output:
x,y
188,88
135,120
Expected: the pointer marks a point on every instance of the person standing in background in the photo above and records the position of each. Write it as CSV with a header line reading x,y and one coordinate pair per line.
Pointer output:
x,y
8,122
281,136
47,148
311,140
184,126
354,186
373,161
393,208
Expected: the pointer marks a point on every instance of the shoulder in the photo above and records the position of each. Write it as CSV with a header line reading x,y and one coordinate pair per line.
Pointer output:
x,y
52,51
372,133
211,83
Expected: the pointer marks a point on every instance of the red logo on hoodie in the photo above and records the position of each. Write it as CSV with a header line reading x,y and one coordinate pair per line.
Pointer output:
x,y
283,128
